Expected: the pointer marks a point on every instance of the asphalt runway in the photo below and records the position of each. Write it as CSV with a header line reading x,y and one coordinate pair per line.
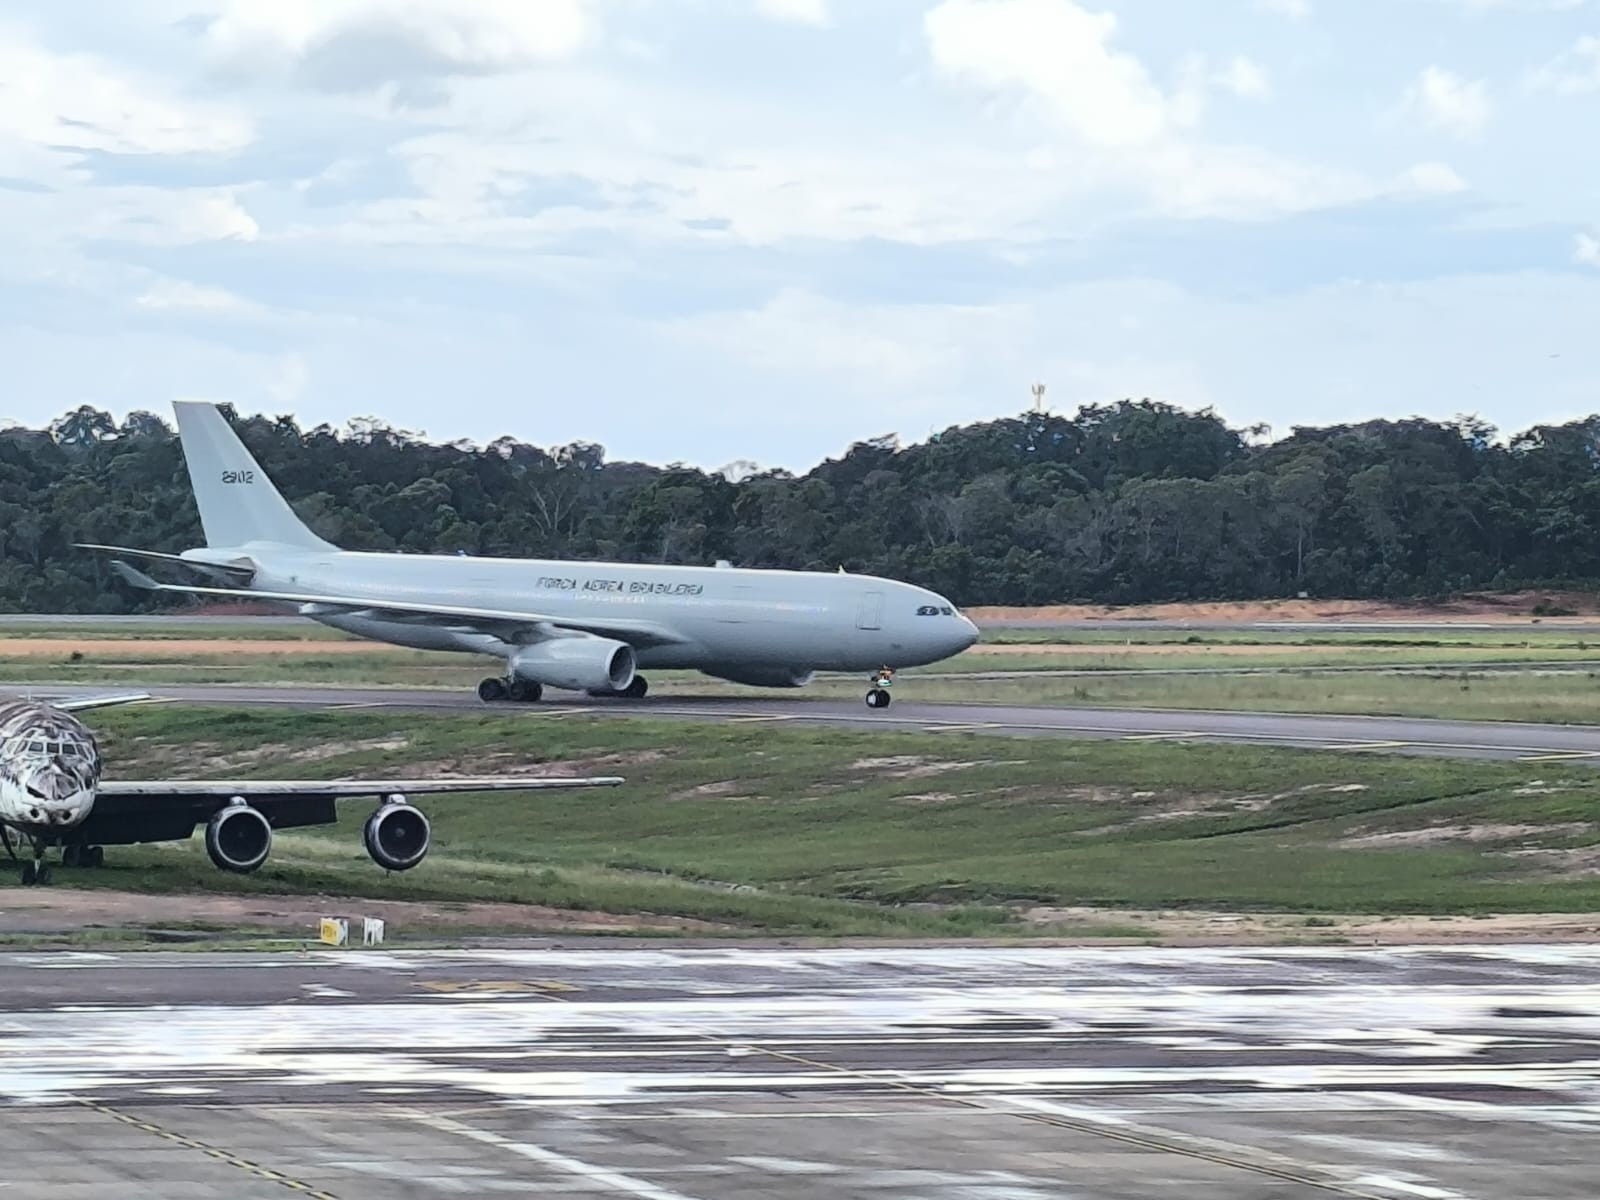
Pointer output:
x,y
1565,744
721,1074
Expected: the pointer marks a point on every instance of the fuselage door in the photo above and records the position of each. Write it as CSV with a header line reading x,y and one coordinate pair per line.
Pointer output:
x,y
870,614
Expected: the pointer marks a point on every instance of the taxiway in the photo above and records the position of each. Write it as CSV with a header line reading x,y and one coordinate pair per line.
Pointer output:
x,y
1569,744
704,1074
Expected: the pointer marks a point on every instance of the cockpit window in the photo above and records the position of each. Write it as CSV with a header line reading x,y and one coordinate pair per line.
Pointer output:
x,y
35,747
935,610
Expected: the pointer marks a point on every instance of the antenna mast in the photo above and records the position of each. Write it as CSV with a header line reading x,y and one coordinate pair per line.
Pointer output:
x,y
1038,397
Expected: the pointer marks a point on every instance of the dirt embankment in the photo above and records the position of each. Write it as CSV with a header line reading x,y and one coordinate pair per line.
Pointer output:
x,y
67,914
47,911
180,648
1473,606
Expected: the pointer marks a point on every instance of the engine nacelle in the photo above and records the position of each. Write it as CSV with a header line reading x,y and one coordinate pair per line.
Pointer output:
x,y
581,664
238,837
772,677
397,835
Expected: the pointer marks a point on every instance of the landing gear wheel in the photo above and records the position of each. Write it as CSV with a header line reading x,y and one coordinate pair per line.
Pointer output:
x,y
29,873
93,856
637,689
72,855
492,691
877,698
524,693
41,877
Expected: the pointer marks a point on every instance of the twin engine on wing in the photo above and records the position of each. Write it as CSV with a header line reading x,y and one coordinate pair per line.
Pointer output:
x,y
582,664
773,677
239,837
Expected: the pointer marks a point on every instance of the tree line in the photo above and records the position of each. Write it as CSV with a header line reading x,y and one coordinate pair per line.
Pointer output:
x,y
1122,503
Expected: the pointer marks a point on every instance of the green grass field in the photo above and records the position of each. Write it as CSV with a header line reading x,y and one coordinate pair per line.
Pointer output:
x,y
792,830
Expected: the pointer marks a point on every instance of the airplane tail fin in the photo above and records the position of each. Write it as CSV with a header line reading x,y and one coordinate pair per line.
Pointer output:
x,y
238,503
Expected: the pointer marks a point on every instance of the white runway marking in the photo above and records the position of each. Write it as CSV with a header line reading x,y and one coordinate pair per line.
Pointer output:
x,y
604,1176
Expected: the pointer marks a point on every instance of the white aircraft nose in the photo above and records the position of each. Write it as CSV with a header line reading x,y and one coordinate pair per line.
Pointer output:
x,y
67,809
964,634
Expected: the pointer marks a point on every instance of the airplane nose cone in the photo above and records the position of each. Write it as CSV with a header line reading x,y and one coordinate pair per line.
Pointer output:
x,y
59,798
967,635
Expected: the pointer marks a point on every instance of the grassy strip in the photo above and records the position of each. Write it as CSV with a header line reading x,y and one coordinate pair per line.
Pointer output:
x,y
824,831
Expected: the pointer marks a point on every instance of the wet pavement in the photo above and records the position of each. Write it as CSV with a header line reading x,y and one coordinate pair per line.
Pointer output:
x,y
983,1074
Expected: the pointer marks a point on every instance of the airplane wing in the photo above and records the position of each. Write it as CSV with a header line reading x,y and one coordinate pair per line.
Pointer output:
x,y
84,703
509,626
161,810
223,790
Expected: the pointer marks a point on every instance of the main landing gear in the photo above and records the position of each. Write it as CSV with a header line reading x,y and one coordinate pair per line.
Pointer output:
x,y
499,691
515,691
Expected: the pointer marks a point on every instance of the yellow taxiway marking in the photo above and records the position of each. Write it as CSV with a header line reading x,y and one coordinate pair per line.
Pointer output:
x,y
1365,745
222,1156
960,728
1559,756
362,704
754,720
495,987
1156,737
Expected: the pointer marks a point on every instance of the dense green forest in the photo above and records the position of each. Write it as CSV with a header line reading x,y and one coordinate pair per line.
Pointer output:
x,y
1124,503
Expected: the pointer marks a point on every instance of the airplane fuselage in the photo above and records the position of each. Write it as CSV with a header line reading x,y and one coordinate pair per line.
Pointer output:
x,y
714,618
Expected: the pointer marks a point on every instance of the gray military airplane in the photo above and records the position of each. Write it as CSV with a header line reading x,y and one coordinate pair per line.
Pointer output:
x,y
51,793
582,626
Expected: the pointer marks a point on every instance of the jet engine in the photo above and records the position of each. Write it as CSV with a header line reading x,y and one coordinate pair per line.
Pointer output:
x,y
772,677
397,835
582,664
238,837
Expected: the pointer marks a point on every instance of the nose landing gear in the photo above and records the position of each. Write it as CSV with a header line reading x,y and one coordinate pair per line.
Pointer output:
x,y
882,681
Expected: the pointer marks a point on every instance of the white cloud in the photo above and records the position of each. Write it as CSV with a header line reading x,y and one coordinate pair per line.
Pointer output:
x,y
355,45
903,347
1574,71
1057,52
178,294
796,12
78,102
1587,250
1128,132
1244,78
1434,178
1443,100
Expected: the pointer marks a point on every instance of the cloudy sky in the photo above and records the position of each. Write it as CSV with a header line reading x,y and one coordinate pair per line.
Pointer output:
x,y
706,230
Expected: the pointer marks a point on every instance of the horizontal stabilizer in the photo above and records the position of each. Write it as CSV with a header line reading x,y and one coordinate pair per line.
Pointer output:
x,y
135,577
241,571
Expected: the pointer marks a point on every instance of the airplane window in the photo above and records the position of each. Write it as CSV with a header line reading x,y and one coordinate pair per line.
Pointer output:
x,y
946,611
927,610
35,747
